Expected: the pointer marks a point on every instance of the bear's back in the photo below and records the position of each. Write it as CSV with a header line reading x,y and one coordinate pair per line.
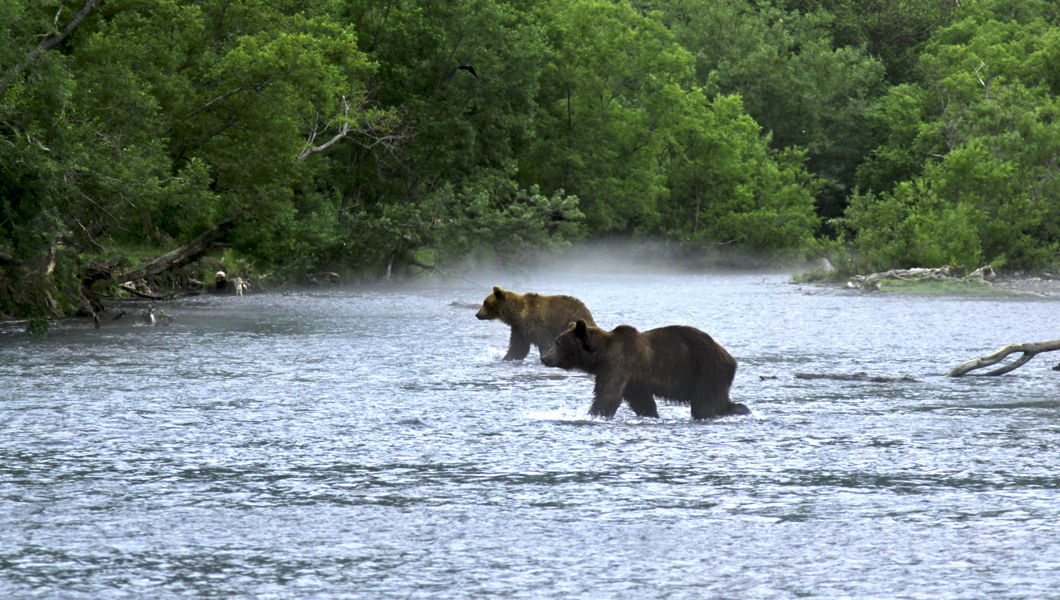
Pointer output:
x,y
557,312
682,351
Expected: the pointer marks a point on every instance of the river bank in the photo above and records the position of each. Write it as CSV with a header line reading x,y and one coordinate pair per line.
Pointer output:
x,y
1043,285
136,301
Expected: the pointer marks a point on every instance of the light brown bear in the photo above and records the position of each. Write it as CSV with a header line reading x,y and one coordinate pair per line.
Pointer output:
x,y
679,363
534,319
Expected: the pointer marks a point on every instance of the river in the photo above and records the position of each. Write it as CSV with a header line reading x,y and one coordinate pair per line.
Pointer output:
x,y
369,442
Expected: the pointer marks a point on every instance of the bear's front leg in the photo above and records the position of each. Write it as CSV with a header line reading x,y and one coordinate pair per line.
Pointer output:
x,y
606,397
518,346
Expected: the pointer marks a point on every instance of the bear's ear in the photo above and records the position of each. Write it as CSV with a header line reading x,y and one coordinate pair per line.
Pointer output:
x,y
581,331
498,292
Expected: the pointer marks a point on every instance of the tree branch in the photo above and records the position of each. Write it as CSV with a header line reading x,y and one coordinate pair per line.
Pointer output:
x,y
985,84
872,281
1028,350
49,42
53,41
377,129
211,102
311,149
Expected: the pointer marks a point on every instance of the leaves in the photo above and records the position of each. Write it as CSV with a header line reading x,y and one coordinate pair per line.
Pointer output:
x,y
349,137
978,136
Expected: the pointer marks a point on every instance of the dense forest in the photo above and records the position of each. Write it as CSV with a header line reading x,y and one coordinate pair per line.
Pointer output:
x,y
367,136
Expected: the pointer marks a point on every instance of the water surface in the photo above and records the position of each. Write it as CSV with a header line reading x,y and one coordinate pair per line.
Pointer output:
x,y
370,442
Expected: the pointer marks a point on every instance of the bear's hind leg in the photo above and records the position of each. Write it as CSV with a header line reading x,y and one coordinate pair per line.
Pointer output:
x,y
717,404
735,408
708,406
642,402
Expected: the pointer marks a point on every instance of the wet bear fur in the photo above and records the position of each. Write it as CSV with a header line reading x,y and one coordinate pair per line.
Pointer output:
x,y
534,319
679,363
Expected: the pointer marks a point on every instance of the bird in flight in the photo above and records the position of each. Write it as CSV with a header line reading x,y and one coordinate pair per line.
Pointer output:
x,y
466,67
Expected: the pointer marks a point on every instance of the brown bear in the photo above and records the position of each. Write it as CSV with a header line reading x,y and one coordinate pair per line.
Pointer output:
x,y
679,363
534,319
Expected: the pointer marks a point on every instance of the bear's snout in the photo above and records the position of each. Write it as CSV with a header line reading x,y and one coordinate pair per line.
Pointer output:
x,y
481,315
550,358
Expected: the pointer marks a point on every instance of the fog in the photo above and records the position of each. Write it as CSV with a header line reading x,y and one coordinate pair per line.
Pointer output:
x,y
613,256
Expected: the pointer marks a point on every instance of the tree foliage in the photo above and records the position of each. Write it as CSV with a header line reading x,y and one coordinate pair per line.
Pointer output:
x,y
803,88
967,168
376,135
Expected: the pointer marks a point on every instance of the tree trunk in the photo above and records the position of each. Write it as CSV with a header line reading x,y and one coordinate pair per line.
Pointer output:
x,y
1028,350
178,257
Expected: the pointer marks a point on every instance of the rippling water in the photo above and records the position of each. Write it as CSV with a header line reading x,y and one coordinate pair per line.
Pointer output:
x,y
369,442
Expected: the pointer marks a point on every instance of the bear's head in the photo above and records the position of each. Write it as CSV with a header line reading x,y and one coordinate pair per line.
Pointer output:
x,y
580,347
493,305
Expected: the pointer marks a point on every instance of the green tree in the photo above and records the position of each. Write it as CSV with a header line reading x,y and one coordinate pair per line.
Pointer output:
x,y
139,122
798,84
465,77
579,101
727,186
979,138
44,151
607,97
888,30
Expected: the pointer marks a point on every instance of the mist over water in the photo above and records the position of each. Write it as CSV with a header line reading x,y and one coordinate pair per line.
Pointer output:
x,y
370,442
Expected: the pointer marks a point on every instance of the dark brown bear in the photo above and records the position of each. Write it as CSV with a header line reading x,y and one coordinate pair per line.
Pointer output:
x,y
534,319
679,363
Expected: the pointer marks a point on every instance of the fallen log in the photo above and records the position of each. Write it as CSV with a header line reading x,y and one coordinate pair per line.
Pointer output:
x,y
1029,351
178,257
859,376
134,280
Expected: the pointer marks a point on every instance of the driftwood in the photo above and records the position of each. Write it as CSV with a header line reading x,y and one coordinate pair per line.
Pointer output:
x,y
859,376
223,284
983,275
148,316
324,278
1028,350
131,288
432,269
